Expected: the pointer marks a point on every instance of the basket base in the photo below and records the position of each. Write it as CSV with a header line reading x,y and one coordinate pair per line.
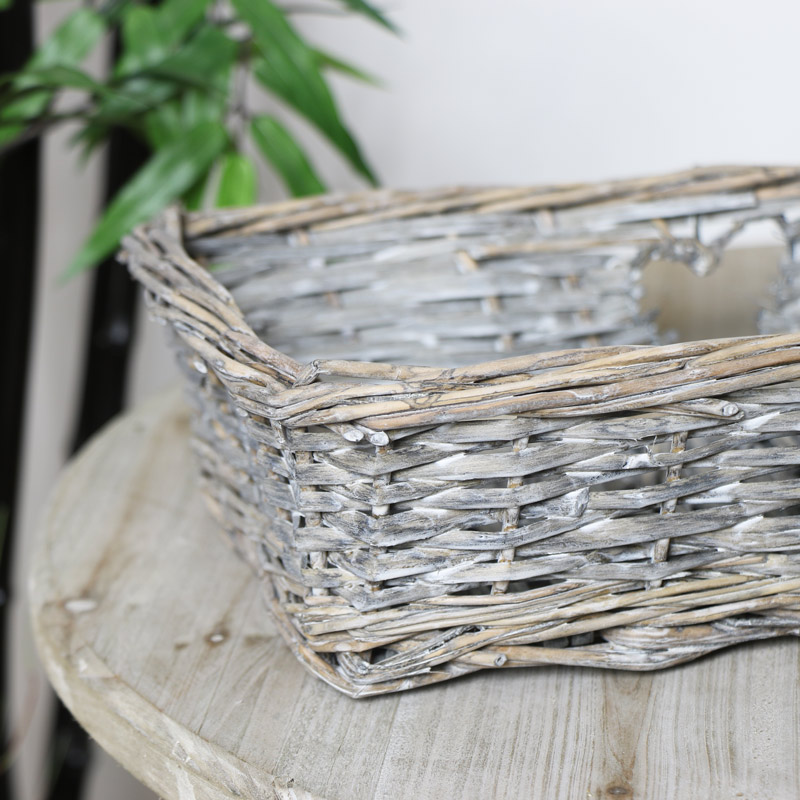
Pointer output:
x,y
630,648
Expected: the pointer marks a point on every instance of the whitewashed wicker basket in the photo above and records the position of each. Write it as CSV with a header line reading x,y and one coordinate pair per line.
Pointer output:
x,y
544,486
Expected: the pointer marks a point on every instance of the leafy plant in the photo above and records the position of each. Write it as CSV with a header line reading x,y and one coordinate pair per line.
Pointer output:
x,y
178,83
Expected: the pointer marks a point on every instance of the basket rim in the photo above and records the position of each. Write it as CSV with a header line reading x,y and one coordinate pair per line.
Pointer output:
x,y
384,203
163,241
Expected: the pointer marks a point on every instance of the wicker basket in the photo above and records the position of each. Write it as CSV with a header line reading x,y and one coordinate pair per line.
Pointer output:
x,y
546,486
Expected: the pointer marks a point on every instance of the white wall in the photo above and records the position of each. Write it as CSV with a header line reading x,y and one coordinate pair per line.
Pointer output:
x,y
477,91
529,91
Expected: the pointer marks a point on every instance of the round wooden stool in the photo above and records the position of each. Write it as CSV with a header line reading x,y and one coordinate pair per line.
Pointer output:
x,y
154,635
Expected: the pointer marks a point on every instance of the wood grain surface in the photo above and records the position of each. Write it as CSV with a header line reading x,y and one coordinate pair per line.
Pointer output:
x,y
154,635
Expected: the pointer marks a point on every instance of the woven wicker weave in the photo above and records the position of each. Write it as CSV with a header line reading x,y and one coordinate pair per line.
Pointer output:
x,y
545,486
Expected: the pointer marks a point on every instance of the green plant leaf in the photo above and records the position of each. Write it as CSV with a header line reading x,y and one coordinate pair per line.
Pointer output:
x,y
149,34
165,176
291,69
168,120
201,59
4,4
286,156
67,46
369,10
177,17
61,76
237,183
111,10
71,41
143,41
163,124
201,106
200,66
326,60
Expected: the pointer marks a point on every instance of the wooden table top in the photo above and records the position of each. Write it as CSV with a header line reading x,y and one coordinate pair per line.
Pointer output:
x,y
154,635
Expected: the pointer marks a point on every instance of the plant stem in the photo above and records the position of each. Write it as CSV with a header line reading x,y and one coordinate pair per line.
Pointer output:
x,y
38,127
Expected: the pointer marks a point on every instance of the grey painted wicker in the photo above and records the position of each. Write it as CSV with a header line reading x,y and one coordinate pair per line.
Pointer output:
x,y
545,486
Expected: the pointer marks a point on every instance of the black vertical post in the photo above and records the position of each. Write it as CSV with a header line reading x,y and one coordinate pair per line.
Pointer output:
x,y
19,212
108,348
